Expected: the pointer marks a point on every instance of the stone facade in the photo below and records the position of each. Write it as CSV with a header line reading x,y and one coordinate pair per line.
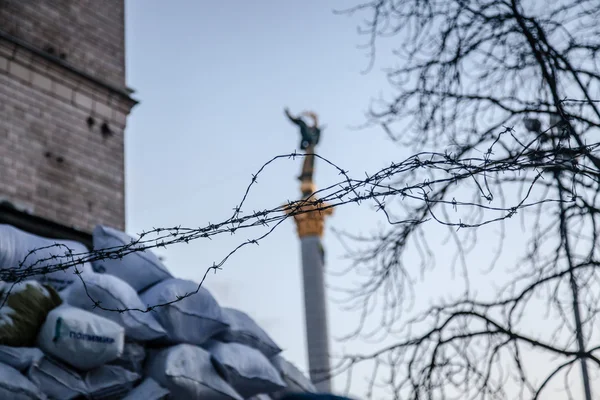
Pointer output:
x,y
62,119
87,34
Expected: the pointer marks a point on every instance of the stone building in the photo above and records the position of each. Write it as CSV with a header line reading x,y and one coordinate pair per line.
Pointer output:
x,y
63,110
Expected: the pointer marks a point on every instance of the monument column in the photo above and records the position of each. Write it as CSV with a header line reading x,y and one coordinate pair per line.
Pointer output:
x,y
309,215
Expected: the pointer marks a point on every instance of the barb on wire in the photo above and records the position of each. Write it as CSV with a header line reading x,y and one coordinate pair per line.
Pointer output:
x,y
379,186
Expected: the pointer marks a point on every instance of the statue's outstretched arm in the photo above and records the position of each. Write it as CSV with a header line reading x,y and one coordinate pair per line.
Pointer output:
x,y
295,120
299,122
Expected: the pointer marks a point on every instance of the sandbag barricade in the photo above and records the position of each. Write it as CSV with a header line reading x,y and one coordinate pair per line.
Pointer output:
x,y
244,330
23,310
194,319
295,380
114,293
132,358
80,338
56,379
13,385
149,389
247,369
189,372
110,382
139,268
20,250
59,346
20,358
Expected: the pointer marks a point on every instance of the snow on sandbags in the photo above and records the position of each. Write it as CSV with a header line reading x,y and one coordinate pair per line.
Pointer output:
x,y
80,338
114,293
132,358
23,309
15,386
247,369
189,372
194,319
149,389
57,380
140,269
243,329
17,246
110,382
20,358
296,381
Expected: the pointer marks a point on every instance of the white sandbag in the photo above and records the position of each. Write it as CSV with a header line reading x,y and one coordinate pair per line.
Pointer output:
x,y
261,396
80,338
110,382
194,319
149,389
15,386
132,358
244,330
57,380
20,358
188,372
140,269
296,381
114,293
17,246
247,369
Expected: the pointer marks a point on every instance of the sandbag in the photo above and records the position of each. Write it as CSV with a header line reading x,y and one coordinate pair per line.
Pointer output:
x,y
15,386
80,338
149,389
194,319
189,372
56,379
20,358
140,269
114,293
17,246
295,380
261,396
24,307
242,329
132,358
110,382
247,369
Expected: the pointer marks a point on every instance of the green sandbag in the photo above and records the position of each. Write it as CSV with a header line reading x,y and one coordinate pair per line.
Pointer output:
x,y
23,309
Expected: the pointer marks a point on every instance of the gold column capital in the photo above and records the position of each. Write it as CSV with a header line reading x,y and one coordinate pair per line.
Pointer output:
x,y
310,216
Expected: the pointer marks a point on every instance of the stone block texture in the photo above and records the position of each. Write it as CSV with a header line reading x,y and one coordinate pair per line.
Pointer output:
x,y
62,132
88,34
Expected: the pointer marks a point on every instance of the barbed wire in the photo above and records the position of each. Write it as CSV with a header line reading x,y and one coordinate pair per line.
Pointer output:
x,y
348,190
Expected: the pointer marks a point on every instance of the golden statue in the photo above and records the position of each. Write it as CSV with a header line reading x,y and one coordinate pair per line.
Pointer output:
x,y
311,217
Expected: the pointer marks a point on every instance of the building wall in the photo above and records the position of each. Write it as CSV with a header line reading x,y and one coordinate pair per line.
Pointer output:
x,y
89,34
53,162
